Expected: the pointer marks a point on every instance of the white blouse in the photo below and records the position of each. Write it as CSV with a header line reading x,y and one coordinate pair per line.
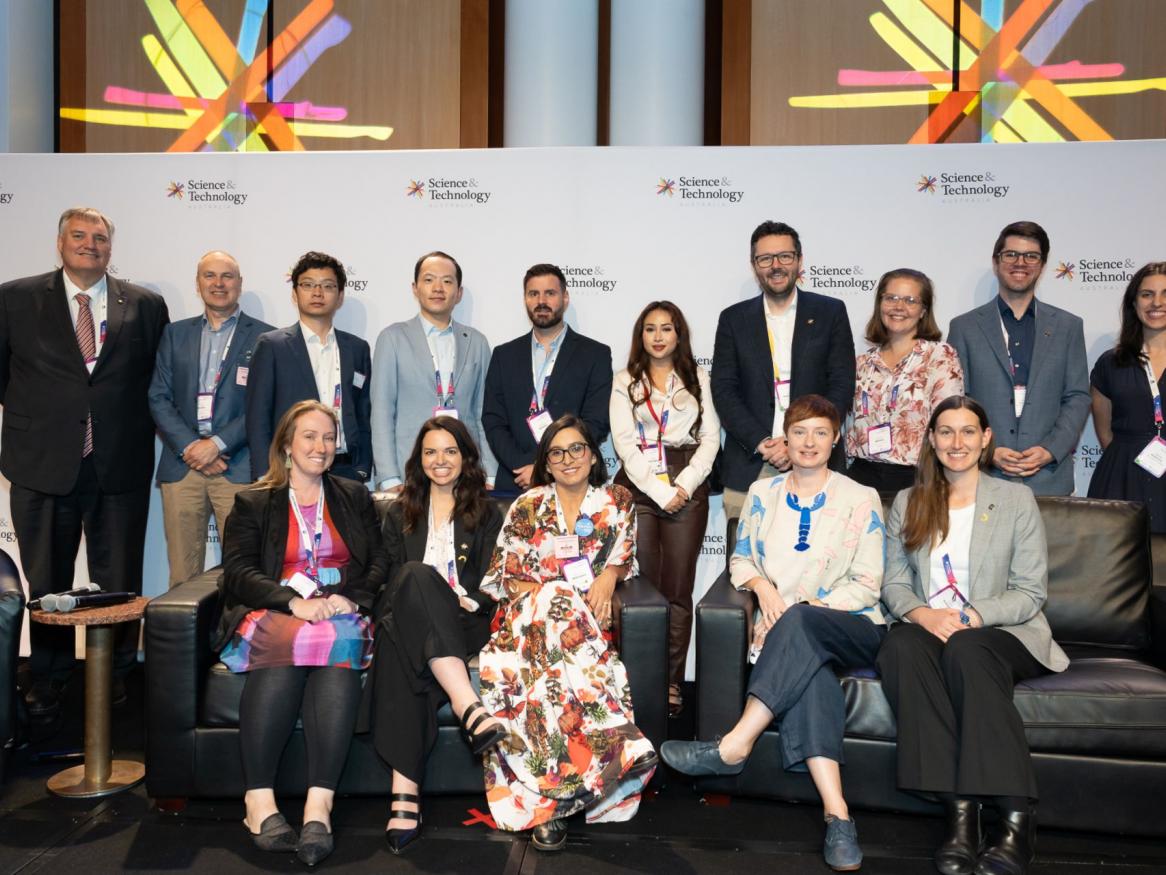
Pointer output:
x,y
440,553
682,410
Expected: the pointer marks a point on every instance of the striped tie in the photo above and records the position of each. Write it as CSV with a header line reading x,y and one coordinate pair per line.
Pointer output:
x,y
87,341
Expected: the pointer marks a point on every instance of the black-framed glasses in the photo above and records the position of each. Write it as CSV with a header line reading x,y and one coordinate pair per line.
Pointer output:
x,y
766,259
1011,256
577,450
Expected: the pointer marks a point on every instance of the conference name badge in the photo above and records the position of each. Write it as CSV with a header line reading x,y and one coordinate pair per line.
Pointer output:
x,y
358,379
1152,458
451,412
1018,395
204,406
566,546
878,439
657,458
578,573
304,586
782,389
538,423
241,373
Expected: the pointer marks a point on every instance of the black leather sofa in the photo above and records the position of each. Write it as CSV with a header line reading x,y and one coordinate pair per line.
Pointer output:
x,y
192,704
11,618
1097,731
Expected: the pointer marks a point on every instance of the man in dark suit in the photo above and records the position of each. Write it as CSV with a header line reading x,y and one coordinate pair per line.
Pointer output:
x,y
769,350
77,349
1025,362
198,400
312,359
536,378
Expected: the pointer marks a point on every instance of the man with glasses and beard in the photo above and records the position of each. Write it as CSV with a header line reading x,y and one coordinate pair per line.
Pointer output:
x,y
536,378
769,350
1025,363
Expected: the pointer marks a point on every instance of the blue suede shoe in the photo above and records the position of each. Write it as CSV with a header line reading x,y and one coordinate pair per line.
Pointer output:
x,y
841,850
698,758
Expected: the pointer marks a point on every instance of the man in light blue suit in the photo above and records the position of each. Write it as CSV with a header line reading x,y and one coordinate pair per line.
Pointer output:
x,y
197,398
427,366
1024,361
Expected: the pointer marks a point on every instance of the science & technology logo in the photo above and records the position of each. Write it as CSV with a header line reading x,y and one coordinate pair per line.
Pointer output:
x,y
704,189
219,193
1097,273
591,278
354,284
835,278
963,187
5,196
448,190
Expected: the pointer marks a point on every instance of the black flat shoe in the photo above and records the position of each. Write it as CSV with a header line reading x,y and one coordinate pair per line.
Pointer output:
x,y
487,739
549,836
315,843
398,839
275,834
1012,847
957,855
645,762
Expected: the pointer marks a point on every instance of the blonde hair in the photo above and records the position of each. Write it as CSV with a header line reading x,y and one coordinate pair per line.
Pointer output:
x,y
277,476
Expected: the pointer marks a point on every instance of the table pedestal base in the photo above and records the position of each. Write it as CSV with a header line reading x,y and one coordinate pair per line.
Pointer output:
x,y
71,783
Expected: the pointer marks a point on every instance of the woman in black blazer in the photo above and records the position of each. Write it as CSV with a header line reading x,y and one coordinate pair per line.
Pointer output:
x,y
440,536
303,562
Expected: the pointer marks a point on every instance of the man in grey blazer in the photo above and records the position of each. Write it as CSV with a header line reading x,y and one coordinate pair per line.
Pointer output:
x,y
198,401
427,366
1024,361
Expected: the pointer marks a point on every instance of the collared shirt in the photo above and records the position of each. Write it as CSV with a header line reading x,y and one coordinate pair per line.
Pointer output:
x,y
325,360
1021,338
542,361
441,555
443,349
781,327
212,351
98,305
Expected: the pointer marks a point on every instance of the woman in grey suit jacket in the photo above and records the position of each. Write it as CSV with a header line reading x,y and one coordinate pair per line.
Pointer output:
x,y
966,577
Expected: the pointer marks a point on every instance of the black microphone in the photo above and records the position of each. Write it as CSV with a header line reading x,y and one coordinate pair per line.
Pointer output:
x,y
94,600
49,602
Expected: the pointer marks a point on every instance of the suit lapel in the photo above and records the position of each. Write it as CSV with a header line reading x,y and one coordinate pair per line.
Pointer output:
x,y
54,311
989,319
461,546
238,341
567,349
416,540
415,334
115,311
983,530
299,348
758,328
1044,334
804,332
461,351
277,511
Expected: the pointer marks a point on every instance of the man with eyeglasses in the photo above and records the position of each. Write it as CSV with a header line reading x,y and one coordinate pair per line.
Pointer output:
x,y
780,345
313,360
427,366
536,378
1025,363
198,401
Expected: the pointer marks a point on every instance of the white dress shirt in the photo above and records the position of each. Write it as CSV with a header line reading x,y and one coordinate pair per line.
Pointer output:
x,y
98,306
325,360
781,327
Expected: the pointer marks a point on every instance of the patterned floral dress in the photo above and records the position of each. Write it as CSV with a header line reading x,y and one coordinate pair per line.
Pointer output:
x,y
549,673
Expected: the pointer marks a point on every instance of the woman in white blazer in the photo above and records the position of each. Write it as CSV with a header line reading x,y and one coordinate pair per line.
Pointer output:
x,y
966,577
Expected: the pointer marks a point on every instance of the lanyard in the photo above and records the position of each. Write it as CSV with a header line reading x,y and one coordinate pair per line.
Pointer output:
x,y
310,543
223,359
444,393
661,420
1155,392
952,583
778,382
890,404
543,377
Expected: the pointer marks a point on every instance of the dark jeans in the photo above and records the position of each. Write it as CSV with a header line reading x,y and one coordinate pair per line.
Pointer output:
x,y
794,677
958,729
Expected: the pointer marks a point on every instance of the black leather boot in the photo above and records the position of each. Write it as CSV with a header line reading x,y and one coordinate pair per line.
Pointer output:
x,y
957,855
1012,847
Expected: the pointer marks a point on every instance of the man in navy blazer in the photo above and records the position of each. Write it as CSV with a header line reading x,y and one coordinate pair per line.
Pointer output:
x,y
198,401
1025,362
312,359
769,350
572,372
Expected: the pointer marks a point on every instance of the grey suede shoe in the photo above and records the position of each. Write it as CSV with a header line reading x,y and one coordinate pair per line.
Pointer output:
x,y
841,850
698,758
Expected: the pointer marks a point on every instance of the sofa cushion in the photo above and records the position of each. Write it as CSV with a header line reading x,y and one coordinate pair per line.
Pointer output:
x,y
1100,706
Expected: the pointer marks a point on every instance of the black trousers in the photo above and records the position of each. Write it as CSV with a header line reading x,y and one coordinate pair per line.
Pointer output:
x,y
48,531
959,731
794,677
883,477
326,698
426,623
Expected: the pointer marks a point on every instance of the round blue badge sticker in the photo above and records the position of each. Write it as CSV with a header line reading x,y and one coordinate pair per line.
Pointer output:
x,y
584,528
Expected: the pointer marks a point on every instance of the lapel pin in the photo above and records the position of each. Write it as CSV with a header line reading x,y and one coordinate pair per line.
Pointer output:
x,y
809,321
983,517
461,559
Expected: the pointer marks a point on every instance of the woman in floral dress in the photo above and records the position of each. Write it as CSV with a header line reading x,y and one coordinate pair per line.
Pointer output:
x,y
549,671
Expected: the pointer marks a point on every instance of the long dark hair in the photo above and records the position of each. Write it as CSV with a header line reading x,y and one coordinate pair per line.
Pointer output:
x,y
541,475
469,493
926,519
1128,351
683,361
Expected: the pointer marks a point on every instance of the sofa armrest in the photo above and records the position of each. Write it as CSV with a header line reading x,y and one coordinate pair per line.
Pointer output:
x,y
1158,625
643,647
722,643
179,625
11,620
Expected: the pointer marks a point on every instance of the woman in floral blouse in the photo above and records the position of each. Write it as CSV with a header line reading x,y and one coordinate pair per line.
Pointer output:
x,y
898,383
549,672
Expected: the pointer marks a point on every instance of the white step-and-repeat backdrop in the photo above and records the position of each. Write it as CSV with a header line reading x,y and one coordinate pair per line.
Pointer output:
x,y
626,225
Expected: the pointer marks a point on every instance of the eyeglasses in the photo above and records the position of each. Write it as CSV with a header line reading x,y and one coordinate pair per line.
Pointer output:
x,y
1011,256
577,450
309,286
766,259
909,300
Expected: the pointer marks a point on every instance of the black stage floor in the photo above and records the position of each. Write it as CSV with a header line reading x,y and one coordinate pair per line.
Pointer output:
x,y
676,832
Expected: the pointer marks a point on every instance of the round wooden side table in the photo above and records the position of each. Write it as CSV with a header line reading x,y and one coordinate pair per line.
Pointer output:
x,y
101,775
